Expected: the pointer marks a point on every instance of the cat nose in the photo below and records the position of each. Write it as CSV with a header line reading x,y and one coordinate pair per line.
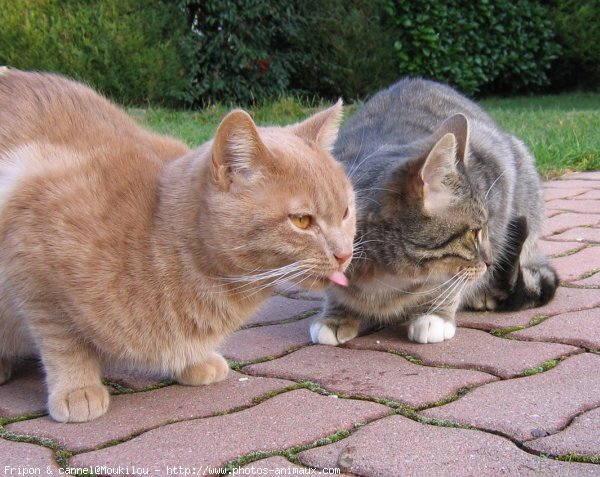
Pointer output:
x,y
342,257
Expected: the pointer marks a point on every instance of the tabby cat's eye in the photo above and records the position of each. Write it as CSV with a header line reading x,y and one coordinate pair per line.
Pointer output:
x,y
301,221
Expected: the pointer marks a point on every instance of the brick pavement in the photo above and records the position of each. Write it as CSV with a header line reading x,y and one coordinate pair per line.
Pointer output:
x,y
512,394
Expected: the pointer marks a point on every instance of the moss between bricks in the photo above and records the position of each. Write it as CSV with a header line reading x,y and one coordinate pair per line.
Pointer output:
x,y
505,331
291,453
589,274
582,458
407,357
545,366
536,320
62,455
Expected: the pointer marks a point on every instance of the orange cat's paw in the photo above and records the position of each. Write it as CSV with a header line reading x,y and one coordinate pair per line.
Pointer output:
x,y
80,405
5,370
211,370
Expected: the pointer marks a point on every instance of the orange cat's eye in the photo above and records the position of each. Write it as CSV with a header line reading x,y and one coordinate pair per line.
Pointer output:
x,y
301,221
346,212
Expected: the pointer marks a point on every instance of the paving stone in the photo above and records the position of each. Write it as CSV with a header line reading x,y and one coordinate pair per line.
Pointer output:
x,y
581,206
266,341
533,406
580,234
398,447
279,308
565,221
581,437
591,281
21,457
133,413
553,192
565,300
549,248
25,392
573,267
370,373
591,194
281,466
290,419
580,328
470,349
571,183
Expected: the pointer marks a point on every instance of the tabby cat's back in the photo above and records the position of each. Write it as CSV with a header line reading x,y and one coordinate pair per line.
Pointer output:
x,y
122,246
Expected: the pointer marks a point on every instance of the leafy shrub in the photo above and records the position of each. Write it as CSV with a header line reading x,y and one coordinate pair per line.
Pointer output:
x,y
250,50
578,32
477,46
241,51
343,49
133,50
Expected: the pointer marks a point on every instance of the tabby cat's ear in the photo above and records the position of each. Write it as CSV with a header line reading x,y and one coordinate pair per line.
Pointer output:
x,y
436,173
236,147
459,126
322,127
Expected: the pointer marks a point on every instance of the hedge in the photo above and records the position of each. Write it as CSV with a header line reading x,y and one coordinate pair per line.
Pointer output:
x,y
136,51
197,52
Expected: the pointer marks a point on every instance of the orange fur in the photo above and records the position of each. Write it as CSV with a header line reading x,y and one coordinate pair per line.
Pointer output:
x,y
123,246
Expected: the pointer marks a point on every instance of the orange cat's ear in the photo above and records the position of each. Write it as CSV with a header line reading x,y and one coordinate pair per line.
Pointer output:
x,y
236,146
322,127
438,167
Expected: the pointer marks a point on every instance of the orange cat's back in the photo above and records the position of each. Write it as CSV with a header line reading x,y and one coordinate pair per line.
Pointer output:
x,y
46,107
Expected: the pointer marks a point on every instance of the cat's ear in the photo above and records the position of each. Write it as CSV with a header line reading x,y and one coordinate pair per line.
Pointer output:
x,y
236,147
438,168
322,127
458,125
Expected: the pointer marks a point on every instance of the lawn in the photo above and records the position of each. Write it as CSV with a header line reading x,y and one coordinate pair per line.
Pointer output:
x,y
563,131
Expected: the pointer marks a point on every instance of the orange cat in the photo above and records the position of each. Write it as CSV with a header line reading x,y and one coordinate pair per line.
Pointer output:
x,y
122,246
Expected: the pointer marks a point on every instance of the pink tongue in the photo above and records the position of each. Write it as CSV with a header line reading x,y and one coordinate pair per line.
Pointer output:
x,y
339,278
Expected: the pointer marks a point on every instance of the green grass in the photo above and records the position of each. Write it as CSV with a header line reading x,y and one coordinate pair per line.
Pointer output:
x,y
563,131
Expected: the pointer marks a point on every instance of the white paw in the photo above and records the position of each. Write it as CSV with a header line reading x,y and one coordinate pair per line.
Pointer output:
x,y
320,333
431,329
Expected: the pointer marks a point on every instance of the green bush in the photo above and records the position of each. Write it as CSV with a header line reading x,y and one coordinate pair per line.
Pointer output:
x,y
251,50
135,51
343,49
577,27
477,46
241,52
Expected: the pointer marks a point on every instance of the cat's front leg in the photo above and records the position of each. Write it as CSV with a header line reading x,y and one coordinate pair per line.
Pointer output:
x,y
335,326
73,377
431,328
212,369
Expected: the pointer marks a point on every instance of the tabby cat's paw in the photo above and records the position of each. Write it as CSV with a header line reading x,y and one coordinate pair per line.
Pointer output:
x,y
81,405
5,370
323,333
430,329
212,370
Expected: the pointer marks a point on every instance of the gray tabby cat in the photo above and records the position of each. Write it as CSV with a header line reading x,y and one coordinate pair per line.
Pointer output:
x,y
450,211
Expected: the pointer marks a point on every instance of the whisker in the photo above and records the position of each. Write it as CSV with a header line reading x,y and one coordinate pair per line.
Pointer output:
x,y
448,294
493,184
426,292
